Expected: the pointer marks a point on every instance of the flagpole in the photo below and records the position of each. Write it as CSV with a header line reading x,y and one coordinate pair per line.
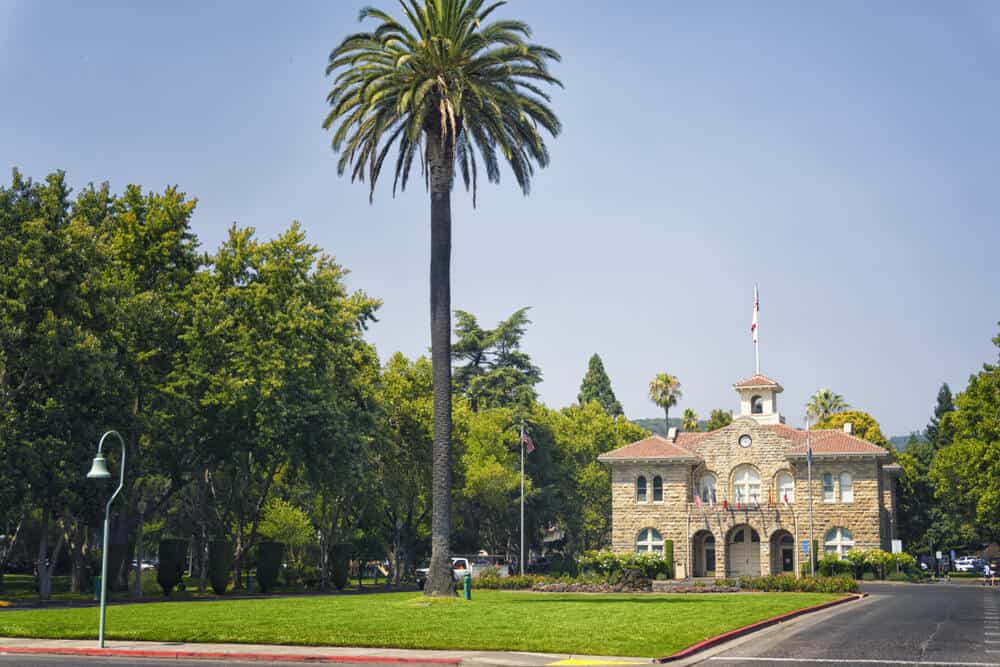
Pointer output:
x,y
521,559
809,468
756,334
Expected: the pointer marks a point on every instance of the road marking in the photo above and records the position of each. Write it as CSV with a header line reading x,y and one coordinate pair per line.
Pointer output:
x,y
855,661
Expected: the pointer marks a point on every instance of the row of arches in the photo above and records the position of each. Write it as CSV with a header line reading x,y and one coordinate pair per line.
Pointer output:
x,y
746,487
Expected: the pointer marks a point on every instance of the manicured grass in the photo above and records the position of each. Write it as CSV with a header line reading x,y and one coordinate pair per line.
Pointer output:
x,y
631,625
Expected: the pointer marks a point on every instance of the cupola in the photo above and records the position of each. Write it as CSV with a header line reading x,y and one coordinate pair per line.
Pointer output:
x,y
759,399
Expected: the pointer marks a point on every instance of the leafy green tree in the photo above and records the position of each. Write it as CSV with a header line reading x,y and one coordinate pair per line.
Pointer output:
x,y
289,524
403,455
496,372
966,473
689,422
862,424
665,391
824,403
442,85
718,419
596,386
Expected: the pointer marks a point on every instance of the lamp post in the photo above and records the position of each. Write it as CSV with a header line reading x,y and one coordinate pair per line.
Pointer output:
x,y
99,470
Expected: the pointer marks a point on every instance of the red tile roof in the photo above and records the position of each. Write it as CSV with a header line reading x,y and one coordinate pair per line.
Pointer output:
x,y
656,447
826,442
757,381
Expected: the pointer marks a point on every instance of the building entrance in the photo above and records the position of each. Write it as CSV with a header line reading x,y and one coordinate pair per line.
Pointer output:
x,y
743,552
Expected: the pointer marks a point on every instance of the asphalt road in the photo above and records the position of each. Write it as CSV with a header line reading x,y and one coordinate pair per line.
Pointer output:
x,y
954,625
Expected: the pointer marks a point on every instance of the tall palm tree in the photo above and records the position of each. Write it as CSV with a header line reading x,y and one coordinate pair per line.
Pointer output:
x,y
453,91
824,403
689,422
665,391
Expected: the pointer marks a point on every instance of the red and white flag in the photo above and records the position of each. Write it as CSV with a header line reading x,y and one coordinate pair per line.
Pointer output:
x,y
756,309
529,444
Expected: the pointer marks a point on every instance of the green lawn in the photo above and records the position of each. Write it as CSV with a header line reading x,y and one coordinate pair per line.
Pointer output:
x,y
630,625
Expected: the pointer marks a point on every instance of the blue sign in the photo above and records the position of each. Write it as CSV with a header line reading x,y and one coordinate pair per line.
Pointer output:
x,y
805,546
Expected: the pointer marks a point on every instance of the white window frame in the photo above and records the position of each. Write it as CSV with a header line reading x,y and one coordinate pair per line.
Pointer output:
x,y
649,541
848,495
653,495
712,497
829,491
785,483
838,541
644,498
746,485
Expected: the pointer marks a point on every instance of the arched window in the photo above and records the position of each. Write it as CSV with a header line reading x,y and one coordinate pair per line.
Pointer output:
x,y
756,405
640,489
838,541
649,541
706,489
786,488
746,485
828,496
846,488
657,489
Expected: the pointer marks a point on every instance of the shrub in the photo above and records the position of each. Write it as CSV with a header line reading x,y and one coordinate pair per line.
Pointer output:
x,y
171,554
513,583
898,576
868,576
269,556
220,562
832,566
788,582
904,562
340,565
877,559
611,564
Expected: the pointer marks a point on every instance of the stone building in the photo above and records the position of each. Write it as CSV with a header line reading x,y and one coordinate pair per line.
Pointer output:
x,y
735,501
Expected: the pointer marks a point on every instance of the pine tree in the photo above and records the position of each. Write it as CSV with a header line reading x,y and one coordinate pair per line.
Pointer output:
x,y
937,435
596,386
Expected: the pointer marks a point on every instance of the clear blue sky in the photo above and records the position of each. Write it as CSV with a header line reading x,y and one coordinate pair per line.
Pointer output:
x,y
845,156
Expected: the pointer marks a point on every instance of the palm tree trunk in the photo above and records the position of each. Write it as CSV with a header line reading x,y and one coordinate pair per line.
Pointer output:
x,y
441,164
666,421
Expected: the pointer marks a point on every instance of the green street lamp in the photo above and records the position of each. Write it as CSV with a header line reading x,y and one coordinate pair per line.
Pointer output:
x,y
99,470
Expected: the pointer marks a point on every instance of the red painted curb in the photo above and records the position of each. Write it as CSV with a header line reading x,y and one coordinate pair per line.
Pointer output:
x,y
223,655
753,627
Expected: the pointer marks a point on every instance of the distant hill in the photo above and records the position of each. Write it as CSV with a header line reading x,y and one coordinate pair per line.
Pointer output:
x,y
656,425
900,441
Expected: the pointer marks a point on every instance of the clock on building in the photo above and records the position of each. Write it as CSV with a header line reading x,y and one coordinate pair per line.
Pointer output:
x,y
745,440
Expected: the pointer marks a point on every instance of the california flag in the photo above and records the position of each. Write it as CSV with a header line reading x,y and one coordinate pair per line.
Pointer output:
x,y
756,309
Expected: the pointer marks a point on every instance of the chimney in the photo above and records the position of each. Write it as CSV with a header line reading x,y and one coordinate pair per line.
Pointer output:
x,y
672,434
848,428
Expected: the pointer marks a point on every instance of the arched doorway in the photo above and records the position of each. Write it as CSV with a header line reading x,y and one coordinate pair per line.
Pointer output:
x,y
703,544
743,552
782,552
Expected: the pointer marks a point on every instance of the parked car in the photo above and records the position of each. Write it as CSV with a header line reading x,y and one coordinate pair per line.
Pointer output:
x,y
969,564
462,564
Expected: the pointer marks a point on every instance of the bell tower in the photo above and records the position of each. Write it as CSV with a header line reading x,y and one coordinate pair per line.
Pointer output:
x,y
759,399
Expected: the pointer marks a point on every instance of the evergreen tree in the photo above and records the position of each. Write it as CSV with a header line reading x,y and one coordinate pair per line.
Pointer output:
x,y
496,373
936,435
718,419
596,386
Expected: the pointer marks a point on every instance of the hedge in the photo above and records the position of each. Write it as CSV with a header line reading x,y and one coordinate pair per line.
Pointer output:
x,y
340,566
608,563
788,582
220,562
269,564
172,554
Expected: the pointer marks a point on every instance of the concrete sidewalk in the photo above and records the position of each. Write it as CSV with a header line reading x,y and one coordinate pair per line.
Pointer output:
x,y
309,654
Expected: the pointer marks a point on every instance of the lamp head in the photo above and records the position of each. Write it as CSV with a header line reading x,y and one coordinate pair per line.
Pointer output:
x,y
99,470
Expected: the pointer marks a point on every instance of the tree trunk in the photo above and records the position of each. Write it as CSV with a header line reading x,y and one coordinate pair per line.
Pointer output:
x,y
440,158
666,421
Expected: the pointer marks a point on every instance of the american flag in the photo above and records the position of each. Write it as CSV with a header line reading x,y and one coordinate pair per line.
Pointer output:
x,y
529,444
756,309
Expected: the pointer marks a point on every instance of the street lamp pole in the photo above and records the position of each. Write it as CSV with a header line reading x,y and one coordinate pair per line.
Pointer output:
x,y
99,470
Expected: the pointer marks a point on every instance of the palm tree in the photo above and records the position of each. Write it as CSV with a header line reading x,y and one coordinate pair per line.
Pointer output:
x,y
665,391
824,403
689,422
452,91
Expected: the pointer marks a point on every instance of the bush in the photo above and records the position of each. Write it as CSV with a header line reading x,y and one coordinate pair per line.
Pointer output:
x,y
171,554
495,582
563,564
868,576
877,559
832,566
220,562
788,582
612,565
340,564
269,556
898,576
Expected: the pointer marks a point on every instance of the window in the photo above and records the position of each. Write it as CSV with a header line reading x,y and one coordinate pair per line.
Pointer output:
x,y
707,488
746,484
846,488
828,488
649,541
640,489
786,488
756,405
657,489
838,542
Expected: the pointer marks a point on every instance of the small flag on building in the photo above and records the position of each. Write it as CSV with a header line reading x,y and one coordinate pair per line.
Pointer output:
x,y
529,444
697,500
756,309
